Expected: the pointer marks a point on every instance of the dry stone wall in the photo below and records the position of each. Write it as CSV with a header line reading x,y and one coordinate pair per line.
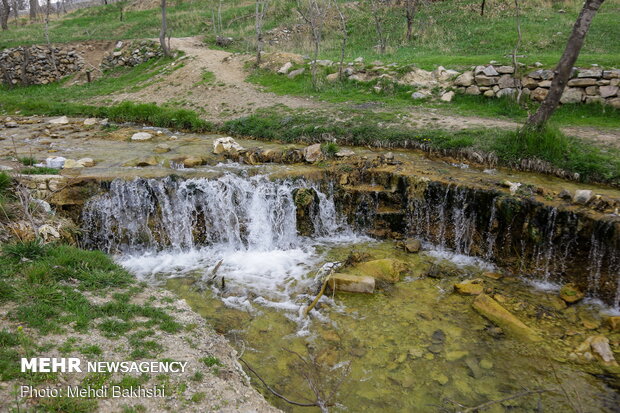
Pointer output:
x,y
131,54
38,65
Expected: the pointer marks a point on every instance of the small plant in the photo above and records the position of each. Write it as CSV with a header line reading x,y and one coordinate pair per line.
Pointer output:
x,y
198,397
27,160
330,149
211,361
30,250
5,182
198,376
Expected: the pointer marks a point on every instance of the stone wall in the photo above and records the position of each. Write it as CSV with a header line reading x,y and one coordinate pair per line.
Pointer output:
x,y
593,85
38,65
131,54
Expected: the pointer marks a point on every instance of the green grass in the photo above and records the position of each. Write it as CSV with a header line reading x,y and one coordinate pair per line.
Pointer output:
x,y
5,182
40,170
27,161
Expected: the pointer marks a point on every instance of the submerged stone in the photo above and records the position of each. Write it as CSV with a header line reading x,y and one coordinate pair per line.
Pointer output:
x,y
386,269
492,310
413,245
352,283
571,293
470,287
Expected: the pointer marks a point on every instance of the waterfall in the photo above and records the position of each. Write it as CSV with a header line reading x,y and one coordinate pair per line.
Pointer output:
x,y
242,213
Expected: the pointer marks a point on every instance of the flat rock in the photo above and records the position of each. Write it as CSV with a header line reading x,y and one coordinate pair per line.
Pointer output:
x,y
90,121
86,162
582,196
470,287
492,310
63,120
413,245
141,136
570,293
447,97
296,73
162,148
192,162
352,283
386,269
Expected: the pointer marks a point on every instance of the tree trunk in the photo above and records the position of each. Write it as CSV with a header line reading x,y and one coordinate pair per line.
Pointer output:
x,y
482,7
5,10
565,66
164,29
15,9
410,6
33,10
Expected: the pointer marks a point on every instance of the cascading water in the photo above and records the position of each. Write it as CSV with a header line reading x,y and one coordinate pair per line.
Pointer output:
x,y
174,227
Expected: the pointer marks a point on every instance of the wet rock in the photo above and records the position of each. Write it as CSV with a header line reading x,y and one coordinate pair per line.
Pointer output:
x,y
440,378
492,275
599,345
386,269
486,364
162,148
271,156
456,355
86,162
470,287
226,145
474,369
11,124
614,323
438,337
570,293
352,283
306,203
192,162
435,348
148,161
63,120
141,136
492,310
582,196
413,245
313,153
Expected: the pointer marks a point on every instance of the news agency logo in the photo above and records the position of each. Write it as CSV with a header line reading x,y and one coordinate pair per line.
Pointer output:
x,y
74,365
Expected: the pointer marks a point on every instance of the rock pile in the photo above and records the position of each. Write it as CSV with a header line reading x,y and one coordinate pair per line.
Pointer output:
x,y
38,65
131,54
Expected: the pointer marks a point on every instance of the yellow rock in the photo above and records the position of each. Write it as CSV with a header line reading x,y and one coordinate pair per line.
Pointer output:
x,y
352,283
386,269
571,293
491,309
492,275
614,323
192,161
470,287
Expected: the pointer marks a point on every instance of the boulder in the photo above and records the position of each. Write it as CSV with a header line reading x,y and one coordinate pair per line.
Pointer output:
x,y
492,310
507,81
470,287
570,293
344,153
572,95
490,71
613,102
482,80
313,153
141,136
285,68
529,83
332,77
489,93
608,91
226,145
505,70
472,90
386,269
581,82
611,74
539,94
419,78
86,162
56,162
599,345
90,121
590,73
192,162
465,80
542,74
296,73
614,323
63,120
447,97
506,92
413,245
582,196
351,283
162,148
420,95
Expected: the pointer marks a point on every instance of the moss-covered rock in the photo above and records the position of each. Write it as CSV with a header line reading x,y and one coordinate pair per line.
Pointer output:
x,y
386,269
492,310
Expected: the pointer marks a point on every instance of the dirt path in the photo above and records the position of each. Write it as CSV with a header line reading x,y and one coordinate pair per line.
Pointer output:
x,y
230,96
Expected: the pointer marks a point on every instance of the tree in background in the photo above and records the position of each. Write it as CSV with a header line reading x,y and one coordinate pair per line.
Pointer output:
x,y
564,68
259,16
378,16
5,11
164,29
342,20
34,8
314,13
411,8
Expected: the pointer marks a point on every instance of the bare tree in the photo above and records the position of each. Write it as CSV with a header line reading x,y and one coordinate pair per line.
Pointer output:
x,y
411,8
314,12
34,6
261,10
5,11
15,8
379,19
565,66
164,28
343,41
515,64
482,7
